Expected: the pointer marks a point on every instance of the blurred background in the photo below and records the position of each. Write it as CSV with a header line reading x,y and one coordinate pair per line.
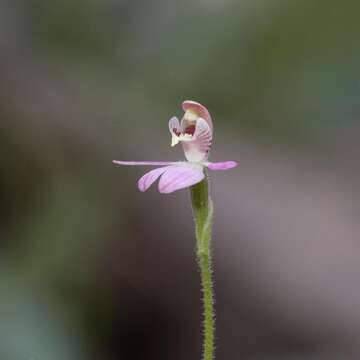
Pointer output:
x,y
91,268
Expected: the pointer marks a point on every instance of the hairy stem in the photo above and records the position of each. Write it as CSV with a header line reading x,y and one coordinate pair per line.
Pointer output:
x,y
203,213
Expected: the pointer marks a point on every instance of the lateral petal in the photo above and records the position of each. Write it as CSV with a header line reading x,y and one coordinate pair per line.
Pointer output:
x,y
174,126
203,135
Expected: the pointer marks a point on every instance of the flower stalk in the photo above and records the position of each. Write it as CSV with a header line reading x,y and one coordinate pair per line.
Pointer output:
x,y
203,213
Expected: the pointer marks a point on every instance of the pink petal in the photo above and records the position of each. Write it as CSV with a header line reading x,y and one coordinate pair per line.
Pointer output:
x,y
203,134
199,109
149,178
179,177
174,126
137,163
226,165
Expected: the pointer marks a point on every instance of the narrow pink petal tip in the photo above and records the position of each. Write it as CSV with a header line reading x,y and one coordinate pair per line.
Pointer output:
x,y
225,165
143,163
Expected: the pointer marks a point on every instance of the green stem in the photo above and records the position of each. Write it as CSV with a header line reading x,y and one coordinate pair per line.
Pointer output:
x,y
203,213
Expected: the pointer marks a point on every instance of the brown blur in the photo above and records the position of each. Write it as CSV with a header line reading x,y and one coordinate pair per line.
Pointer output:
x,y
92,269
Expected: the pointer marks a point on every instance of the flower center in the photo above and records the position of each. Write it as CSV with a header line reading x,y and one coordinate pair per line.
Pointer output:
x,y
190,130
187,130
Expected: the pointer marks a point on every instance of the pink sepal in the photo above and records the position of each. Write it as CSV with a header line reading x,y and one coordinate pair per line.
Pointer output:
x,y
149,178
225,165
139,163
179,177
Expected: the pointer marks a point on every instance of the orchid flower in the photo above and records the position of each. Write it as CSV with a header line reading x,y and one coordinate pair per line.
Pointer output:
x,y
195,133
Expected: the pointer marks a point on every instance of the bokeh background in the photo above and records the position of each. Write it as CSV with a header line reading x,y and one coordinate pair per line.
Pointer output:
x,y
90,268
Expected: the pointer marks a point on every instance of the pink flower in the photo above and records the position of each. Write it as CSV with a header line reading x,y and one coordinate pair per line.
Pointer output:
x,y
195,132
